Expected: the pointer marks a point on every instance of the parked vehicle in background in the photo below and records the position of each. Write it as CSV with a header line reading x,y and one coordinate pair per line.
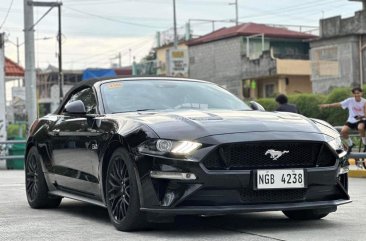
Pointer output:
x,y
152,148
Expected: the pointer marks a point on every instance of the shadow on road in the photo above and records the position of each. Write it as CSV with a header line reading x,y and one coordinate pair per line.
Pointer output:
x,y
250,223
84,210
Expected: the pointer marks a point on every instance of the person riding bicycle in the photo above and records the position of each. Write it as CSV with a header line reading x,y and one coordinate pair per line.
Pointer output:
x,y
356,113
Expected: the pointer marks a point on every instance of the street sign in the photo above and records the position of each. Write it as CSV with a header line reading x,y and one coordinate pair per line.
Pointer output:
x,y
178,62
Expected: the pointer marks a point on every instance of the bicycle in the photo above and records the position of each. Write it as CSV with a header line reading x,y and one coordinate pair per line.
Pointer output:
x,y
359,162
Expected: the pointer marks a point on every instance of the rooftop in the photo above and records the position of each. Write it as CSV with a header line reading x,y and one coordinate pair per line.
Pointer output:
x,y
248,29
13,69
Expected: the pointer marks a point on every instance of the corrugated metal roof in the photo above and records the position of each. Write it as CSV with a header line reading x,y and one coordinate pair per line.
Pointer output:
x,y
248,29
13,69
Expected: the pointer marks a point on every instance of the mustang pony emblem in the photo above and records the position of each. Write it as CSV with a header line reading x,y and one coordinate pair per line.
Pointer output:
x,y
275,154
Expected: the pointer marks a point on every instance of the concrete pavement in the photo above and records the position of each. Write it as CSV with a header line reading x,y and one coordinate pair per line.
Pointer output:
x,y
80,221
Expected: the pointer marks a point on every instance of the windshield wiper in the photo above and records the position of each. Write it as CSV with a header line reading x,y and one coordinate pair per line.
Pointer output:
x,y
141,110
144,110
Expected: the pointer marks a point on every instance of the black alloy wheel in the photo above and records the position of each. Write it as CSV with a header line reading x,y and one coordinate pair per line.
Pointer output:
x,y
119,189
122,198
32,181
35,183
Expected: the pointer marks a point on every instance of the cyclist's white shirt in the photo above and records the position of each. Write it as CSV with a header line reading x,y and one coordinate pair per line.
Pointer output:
x,y
354,108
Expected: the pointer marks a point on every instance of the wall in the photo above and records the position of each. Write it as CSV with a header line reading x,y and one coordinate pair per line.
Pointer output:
x,y
293,67
218,62
335,62
298,84
336,26
257,68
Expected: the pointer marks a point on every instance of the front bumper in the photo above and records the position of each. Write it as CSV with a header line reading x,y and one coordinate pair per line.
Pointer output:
x,y
232,191
204,210
223,192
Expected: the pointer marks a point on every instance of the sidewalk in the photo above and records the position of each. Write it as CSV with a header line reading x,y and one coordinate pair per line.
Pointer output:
x,y
355,171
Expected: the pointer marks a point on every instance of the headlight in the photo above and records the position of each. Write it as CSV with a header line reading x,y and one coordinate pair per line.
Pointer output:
x,y
163,147
326,128
336,144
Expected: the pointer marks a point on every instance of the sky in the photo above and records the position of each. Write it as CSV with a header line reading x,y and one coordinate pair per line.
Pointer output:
x,y
94,32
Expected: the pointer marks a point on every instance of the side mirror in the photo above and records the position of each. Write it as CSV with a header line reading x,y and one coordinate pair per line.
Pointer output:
x,y
256,106
75,107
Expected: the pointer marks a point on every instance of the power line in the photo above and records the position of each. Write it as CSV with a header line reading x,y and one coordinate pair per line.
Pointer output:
x,y
7,14
111,19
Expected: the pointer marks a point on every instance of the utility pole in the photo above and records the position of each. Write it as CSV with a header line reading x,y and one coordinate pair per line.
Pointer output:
x,y
236,11
60,74
2,90
18,61
30,71
119,59
175,26
129,56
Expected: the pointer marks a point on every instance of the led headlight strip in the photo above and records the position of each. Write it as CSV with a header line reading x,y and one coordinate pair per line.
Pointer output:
x,y
185,147
177,147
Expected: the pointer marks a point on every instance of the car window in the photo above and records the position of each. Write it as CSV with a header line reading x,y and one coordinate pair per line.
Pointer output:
x,y
87,97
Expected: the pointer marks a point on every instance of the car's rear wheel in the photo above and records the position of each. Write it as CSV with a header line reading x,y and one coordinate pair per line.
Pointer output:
x,y
307,214
123,202
35,183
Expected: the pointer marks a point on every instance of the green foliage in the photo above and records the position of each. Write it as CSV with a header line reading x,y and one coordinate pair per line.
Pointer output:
x,y
268,103
308,104
13,131
336,116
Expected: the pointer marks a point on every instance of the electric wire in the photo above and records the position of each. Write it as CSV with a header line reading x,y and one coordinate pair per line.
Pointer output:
x,y
111,19
7,14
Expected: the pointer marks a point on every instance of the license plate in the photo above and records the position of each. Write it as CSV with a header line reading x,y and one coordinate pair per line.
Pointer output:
x,y
282,178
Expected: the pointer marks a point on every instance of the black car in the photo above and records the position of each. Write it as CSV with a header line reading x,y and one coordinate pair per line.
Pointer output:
x,y
148,149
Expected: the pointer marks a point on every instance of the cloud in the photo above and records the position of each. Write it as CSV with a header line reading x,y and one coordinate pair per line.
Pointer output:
x,y
85,52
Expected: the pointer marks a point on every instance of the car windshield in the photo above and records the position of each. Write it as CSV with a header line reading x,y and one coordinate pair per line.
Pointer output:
x,y
144,95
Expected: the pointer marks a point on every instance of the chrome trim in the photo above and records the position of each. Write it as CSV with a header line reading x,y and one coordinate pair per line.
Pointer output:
x,y
343,170
342,154
173,175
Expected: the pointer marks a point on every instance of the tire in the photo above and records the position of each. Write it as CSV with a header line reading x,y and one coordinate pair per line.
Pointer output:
x,y
122,197
307,214
35,183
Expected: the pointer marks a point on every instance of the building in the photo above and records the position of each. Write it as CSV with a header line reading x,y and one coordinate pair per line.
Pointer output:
x,y
14,91
48,90
164,60
253,60
338,56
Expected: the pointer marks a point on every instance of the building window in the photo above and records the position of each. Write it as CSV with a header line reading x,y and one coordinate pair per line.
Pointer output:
x,y
269,90
246,88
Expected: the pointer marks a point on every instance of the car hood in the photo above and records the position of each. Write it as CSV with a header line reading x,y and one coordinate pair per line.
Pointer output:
x,y
194,124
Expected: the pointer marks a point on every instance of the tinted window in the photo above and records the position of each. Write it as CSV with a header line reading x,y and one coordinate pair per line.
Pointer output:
x,y
88,98
126,96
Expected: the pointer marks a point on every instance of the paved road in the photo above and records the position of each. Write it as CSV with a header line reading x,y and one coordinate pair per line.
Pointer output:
x,y
79,221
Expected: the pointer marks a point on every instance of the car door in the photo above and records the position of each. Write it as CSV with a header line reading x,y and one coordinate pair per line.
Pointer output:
x,y
73,149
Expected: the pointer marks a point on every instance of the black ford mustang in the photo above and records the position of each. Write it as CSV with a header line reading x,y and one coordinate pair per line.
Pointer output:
x,y
151,148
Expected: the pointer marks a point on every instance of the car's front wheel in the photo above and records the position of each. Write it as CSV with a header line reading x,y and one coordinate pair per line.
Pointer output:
x,y
35,183
307,214
123,202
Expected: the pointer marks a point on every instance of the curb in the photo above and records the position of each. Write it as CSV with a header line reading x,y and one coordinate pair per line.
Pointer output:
x,y
356,172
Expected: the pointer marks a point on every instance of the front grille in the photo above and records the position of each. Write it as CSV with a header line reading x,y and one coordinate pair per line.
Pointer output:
x,y
252,155
273,196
